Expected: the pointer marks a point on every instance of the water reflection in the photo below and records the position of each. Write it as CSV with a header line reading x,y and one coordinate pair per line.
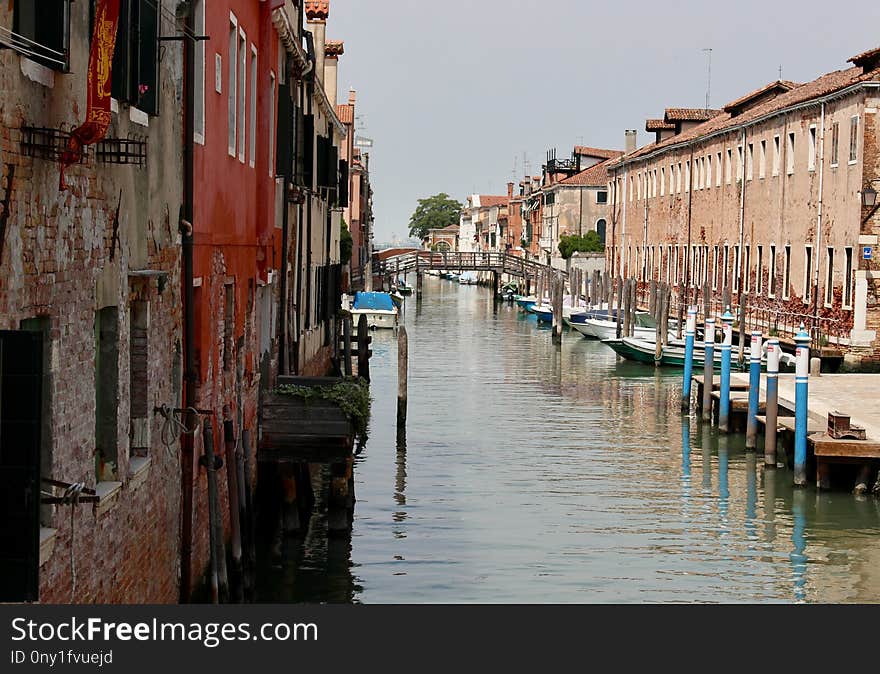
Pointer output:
x,y
534,473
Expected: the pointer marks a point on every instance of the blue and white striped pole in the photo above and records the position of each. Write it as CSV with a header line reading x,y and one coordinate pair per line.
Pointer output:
x,y
754,389
708,367
724,399
773,352
690,333
801,397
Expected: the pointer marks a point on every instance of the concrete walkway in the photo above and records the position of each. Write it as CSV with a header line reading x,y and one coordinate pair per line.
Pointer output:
x,y
855,394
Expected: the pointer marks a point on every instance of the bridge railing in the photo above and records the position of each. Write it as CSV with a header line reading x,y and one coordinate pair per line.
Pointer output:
x,y
467,261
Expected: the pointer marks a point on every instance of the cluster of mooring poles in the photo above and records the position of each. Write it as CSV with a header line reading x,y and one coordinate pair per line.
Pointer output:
x,y
725,399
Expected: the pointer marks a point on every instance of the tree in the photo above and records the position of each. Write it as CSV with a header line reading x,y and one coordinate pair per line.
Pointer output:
x,y
589,243
434,212
346,243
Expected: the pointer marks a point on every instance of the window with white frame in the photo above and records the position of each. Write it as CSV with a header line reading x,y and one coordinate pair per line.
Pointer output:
x,y
687,176
728,171
835,143
199,79
715,268
662,181
808,273
786,274
718,170
847,277
853,139
672,179
705,264
271,125
750,162
675,267
232,94
789,154
771,278
678,179
762,160
776,152
725,278
829,277
747,269
252,112
708,171
669,264
739,163
242,92
698,174
811,158
759,271
736,269
631,190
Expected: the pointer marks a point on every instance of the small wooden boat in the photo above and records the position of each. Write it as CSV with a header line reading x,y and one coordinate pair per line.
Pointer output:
x,y
525,303
403,287
544,312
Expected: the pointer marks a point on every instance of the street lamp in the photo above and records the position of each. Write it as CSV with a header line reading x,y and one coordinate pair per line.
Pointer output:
x,y
869,197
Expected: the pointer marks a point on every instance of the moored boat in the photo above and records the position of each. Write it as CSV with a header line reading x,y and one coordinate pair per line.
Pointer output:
x,y
377,307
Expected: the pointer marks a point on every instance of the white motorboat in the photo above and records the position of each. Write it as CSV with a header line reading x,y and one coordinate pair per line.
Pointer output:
x,y
379,309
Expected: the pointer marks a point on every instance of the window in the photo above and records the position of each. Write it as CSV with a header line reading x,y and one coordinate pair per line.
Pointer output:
x,y
736,268
759,271
135,78
671,178
747,269
678,180
668,264
232,101
718,170
654,183
242,91
139,382
725,278
739,163
750,162
631,190
708,171
662,181
808,273
687,176
729,169
675,267
705,265
715,268
786,274
697,173
772,275
835,143
789,154
847,277
601,197
762,160
829,277
853,138
41,32
775,155
106,393
252,111
811,158
271,125
201,65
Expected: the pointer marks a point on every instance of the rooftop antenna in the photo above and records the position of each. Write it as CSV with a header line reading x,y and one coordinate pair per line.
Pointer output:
x,y
780,72
708,51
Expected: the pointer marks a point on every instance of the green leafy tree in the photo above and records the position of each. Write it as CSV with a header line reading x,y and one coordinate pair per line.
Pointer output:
x,y
588,243
346,243
434,212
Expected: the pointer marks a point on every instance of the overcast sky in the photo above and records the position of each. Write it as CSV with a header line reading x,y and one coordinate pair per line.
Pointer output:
x,y
454,92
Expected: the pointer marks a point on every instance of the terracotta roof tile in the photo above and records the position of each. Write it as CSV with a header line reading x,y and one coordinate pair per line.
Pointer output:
x,y
334,48
867,59
777,87
345,112
487,201
689,114
596,152
595,176
317,9
822,86
658,125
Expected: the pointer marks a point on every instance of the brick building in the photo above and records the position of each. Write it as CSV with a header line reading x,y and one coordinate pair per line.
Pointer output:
x,y
90,310
764,199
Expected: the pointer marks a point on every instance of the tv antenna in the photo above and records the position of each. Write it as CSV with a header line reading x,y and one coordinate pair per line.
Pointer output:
x,y
708,51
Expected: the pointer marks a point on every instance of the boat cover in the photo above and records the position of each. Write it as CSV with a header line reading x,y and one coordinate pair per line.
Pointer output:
x,y
375,301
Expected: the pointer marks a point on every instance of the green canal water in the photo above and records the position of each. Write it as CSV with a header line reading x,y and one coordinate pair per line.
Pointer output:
x,y
538,474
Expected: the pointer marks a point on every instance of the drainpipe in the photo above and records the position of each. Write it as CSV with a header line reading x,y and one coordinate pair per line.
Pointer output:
x,y
190,376
821,160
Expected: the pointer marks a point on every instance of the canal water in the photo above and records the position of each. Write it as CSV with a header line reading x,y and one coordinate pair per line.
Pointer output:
x,y
538,474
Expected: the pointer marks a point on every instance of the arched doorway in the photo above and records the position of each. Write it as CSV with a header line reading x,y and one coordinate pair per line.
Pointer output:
x,y
600,229
442,247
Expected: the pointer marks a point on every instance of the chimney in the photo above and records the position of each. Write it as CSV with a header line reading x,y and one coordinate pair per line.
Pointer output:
x,y
510,190
317,12
630,145
333,49
352,96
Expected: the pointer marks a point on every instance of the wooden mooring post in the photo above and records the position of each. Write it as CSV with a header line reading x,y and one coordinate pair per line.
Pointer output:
x,y
363,349
219,582
235,576
627,324
402,376
558,290
346,346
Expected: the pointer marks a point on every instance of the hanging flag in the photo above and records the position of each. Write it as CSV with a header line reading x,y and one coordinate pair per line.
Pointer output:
x,y
99,78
